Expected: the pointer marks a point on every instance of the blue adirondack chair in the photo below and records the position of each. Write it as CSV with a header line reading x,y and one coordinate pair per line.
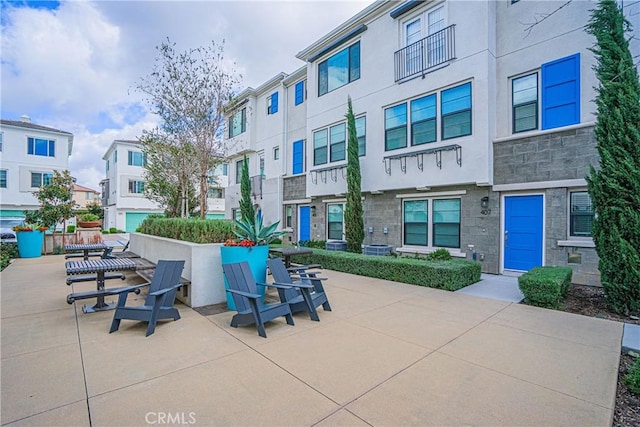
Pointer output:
x,y
283,275
251,310
159,302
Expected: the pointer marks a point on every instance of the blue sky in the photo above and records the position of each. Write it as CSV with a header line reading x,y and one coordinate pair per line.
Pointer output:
x,y
73,65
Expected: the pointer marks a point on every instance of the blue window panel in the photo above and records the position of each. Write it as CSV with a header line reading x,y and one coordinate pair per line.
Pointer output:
x,y
299,93
274,103
41,147
456,99
298,156
423,120
354,62
561,92
339,69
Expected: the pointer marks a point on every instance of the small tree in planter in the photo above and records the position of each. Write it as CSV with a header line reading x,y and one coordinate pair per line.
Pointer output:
x,y
56,202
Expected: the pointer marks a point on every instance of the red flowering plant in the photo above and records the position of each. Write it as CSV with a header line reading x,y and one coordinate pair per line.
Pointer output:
x,y
30,227
244,243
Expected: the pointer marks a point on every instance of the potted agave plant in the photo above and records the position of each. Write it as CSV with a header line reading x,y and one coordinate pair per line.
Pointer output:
x,y
251,245
30,239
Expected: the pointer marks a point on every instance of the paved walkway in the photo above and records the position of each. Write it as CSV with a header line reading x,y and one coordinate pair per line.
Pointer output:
x,y
388,354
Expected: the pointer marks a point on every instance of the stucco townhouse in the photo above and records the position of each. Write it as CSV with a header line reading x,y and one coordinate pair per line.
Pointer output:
x,y
475,132
29,154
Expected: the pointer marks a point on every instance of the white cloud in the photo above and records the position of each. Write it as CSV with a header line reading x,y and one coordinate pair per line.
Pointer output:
x,y
75,67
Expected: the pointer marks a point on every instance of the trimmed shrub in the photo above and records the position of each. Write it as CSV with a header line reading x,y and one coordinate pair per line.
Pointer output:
x,y
439,255
113,230
449,275
71,228
545,286
105,231
312,243
633,377
189,229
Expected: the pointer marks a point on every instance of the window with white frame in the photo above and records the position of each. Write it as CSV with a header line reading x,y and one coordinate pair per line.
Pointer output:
x,y
238,123
320,139
424,51
581,214
216,193
335,221
137,158
38,179
3,178
239,166
276,153
431,223
41,147
337,142
339,69
136,187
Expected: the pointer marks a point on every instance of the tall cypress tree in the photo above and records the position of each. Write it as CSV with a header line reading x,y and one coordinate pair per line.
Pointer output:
x,y
615,187
246,206
353,215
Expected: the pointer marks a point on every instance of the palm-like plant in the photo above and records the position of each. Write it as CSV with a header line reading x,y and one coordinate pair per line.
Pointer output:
x,y
254,230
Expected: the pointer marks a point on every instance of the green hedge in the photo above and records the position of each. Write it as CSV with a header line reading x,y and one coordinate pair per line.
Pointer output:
x,y
450,275
633,377
8,251
189,229
545,286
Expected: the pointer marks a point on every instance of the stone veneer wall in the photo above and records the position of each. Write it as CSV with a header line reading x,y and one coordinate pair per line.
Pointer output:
x,y
562,155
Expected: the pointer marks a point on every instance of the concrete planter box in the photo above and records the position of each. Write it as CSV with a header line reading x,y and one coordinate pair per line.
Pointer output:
x,y
338,245
377,249
203,266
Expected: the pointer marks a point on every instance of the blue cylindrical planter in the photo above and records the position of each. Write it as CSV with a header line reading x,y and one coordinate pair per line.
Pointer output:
x,y
30,243
256,256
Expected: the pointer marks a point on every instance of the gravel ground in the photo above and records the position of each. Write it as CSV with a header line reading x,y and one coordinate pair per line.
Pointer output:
x,y
590,301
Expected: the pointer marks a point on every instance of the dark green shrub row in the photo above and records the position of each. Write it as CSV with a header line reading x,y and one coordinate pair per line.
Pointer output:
x,y
633,377
450,275
8,251
189,229
545,286
312,243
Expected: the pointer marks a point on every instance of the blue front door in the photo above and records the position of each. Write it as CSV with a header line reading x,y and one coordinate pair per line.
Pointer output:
x,y
304,223
523,232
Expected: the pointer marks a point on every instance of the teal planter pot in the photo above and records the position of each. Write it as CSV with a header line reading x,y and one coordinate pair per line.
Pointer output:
x,y
30,243
256,256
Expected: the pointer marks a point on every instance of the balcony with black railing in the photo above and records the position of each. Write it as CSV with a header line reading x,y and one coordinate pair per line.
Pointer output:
x,y
426,54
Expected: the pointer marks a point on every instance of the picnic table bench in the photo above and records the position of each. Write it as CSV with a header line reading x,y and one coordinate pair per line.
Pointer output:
x,y
86,249
100,267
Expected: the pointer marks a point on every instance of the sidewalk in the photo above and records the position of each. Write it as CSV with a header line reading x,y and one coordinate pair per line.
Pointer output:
x,y
388,354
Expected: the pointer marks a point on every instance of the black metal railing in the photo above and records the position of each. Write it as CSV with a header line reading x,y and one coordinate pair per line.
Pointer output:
x,y
431,51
